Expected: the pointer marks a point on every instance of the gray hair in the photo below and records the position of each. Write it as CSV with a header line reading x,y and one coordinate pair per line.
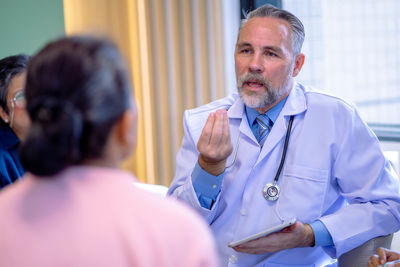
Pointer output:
x,y
296,27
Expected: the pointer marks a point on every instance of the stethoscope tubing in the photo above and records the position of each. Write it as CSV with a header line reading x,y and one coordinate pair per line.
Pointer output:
x,y
285,146
271,192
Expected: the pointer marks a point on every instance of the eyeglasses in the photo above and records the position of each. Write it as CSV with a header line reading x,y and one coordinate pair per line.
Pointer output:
x,y
17,101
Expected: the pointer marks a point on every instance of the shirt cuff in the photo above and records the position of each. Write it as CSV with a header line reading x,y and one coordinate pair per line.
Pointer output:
x,y
206,186
322,236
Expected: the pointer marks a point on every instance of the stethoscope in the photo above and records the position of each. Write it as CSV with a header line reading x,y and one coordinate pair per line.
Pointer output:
x,y
271,190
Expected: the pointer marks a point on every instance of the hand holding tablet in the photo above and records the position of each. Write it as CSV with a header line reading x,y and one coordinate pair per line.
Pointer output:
x,y
263,233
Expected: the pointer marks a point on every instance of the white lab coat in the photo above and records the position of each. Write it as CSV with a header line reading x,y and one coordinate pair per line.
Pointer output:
x,y
334,171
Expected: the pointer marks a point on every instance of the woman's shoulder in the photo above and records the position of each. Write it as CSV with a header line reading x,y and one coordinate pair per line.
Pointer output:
x,y
182,223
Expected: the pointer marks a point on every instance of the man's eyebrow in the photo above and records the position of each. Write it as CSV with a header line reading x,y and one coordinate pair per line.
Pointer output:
x,y
273,48
243,44
268,47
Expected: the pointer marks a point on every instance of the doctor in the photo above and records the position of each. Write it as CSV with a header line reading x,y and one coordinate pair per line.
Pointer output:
x,y
279,150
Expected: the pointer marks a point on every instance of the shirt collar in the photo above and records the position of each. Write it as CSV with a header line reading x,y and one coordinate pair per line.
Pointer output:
x,y
272,113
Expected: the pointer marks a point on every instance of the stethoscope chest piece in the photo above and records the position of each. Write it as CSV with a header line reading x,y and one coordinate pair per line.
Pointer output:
x,y
271,192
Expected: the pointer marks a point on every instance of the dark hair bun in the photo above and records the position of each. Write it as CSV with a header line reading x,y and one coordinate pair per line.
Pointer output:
x,y
56,133
76,90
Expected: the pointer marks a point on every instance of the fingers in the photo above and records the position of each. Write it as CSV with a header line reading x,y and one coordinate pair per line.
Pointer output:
x,y
227,132
381,255
218,131
374,261
207,130
291,228
294,236
392,255
224,132
393,264
215,144
391,258
250,247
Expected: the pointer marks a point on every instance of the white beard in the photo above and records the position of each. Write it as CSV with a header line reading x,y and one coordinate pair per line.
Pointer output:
x,y
268,97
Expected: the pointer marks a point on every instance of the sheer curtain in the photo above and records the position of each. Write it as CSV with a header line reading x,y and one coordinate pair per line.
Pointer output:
x,y
175,50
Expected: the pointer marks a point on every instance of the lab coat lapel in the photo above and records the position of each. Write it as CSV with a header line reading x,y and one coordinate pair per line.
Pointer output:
x,y
197,117
295,104
277,133
236,111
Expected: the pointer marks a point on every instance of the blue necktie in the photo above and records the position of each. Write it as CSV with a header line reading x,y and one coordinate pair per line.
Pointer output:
x,y
264,127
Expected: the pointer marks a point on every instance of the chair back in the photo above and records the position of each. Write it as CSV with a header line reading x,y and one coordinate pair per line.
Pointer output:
x,y
359,256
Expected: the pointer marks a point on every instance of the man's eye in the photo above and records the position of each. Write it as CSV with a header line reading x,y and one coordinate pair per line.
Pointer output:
x,y
245,51
271,54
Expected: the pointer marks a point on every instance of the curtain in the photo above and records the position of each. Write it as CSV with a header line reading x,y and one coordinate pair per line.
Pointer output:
x,y
174,50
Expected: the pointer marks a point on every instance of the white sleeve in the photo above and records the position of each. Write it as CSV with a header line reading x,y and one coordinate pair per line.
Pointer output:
x,y
367,181
181,186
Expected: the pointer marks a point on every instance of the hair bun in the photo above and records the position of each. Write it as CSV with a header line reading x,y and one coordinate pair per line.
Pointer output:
x,y
48,109
56,130
58,117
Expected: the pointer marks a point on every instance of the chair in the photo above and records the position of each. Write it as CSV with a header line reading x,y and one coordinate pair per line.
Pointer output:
x,y
359,256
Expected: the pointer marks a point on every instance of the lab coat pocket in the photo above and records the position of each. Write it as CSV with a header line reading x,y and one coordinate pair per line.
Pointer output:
x,y
302,193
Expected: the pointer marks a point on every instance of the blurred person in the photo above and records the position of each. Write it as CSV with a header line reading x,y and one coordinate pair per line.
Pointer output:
x,y
384,257
74,207
279,150
14,122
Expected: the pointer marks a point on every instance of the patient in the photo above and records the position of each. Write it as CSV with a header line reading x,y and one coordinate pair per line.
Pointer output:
x,y
14,122
74,207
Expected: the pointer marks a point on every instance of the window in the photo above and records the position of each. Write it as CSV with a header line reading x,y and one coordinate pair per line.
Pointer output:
x,y
352,50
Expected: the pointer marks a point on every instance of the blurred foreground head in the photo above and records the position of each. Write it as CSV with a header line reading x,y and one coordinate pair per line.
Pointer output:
x,y
78,97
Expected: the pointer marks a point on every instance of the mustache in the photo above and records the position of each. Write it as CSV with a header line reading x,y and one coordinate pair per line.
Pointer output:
x,y
253,77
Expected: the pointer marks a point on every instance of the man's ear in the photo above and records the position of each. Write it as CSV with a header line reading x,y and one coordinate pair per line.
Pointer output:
x,y
298,64
4,116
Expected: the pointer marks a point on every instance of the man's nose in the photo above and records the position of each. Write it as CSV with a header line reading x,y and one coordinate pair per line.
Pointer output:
x,y
256,65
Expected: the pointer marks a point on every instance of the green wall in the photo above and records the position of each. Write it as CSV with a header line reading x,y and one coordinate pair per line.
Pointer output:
x,y
26,25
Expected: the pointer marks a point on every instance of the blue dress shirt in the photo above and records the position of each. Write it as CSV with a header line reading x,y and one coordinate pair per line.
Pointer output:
x,y
207,186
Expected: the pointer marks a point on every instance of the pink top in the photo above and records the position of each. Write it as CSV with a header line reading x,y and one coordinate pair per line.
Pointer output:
x,y
90,216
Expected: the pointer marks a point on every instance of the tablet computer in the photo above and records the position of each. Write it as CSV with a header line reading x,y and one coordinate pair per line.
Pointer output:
x,y
263,233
